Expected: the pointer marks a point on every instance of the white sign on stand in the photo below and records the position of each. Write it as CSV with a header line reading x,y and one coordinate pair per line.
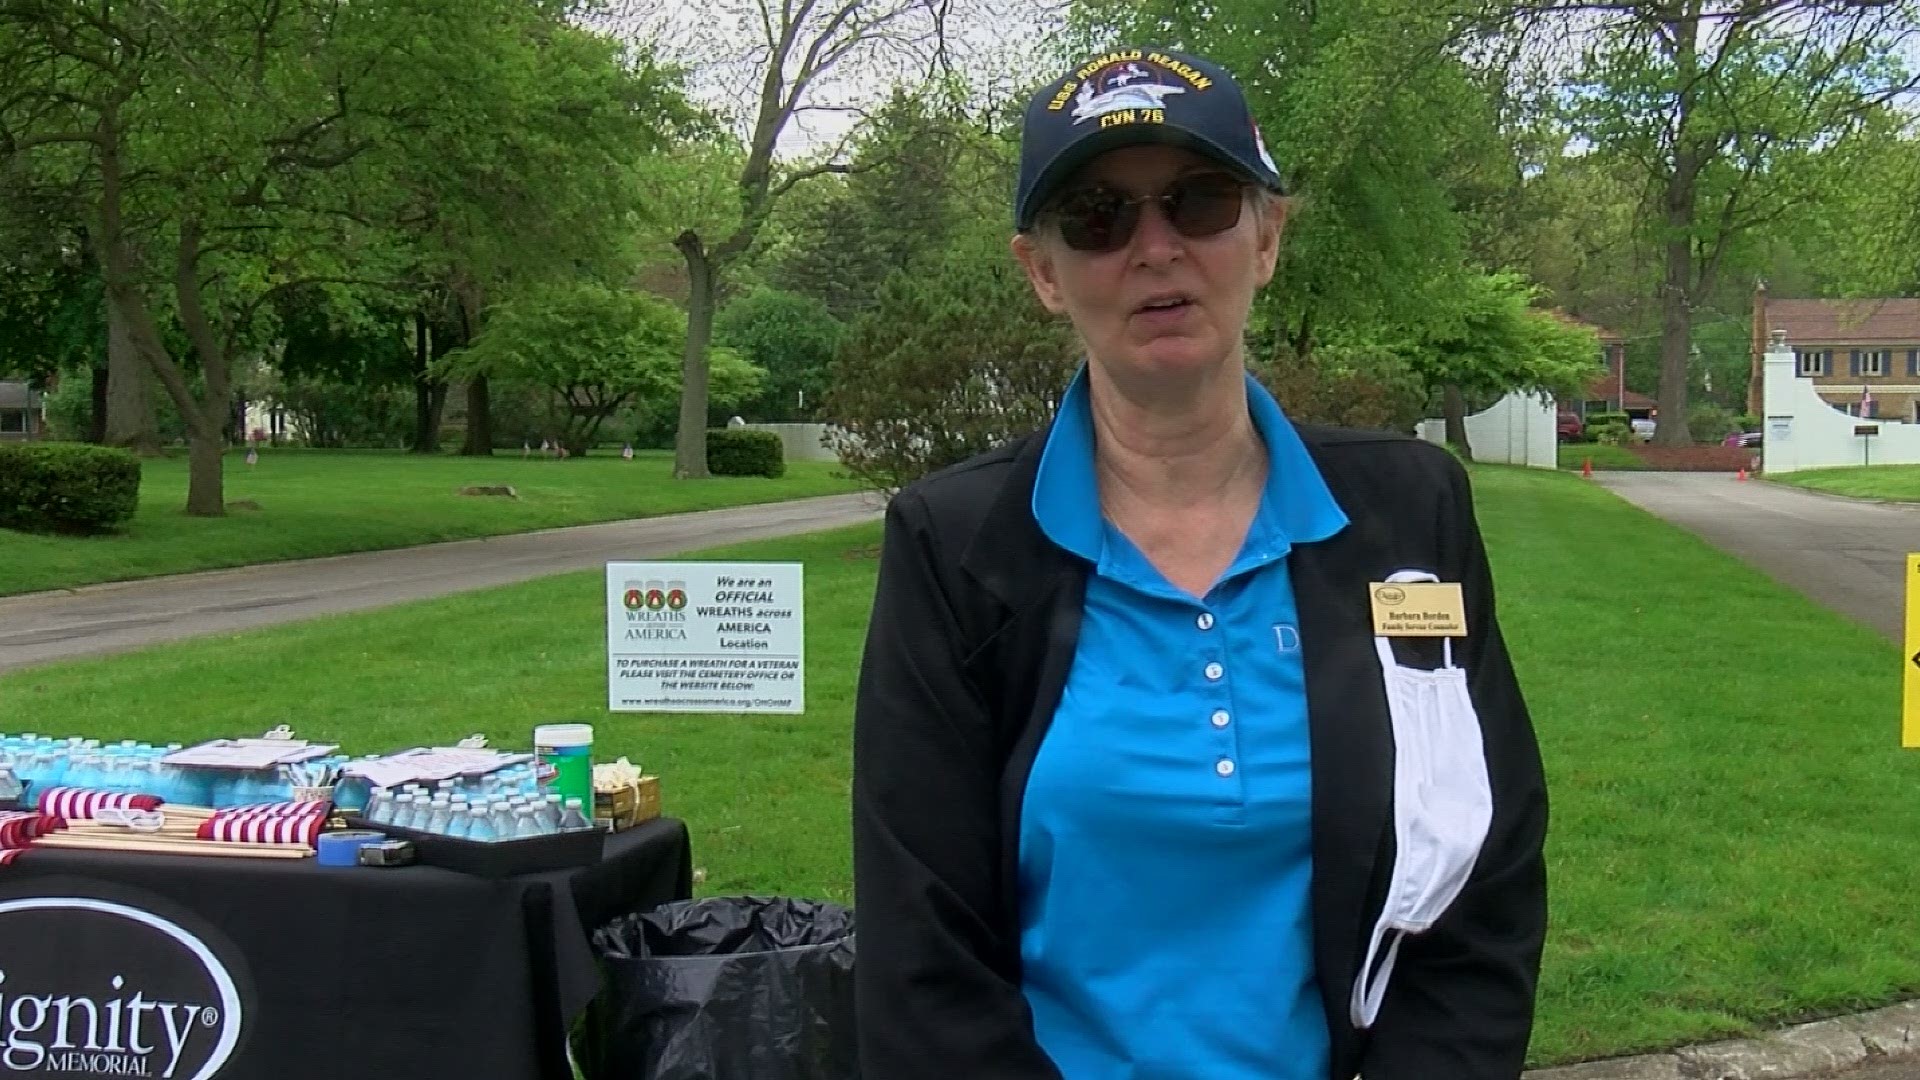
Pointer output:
x,y
692,637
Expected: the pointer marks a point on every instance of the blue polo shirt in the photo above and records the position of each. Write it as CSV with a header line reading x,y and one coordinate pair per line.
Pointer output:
x,y
1165,839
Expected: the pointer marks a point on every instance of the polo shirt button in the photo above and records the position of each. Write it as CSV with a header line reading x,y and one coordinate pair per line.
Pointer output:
x,y
1225,767
1220,718
1205,621
1214,670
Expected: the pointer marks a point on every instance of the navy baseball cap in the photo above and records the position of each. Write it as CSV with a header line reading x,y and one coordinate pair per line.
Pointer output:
x,y
1131,96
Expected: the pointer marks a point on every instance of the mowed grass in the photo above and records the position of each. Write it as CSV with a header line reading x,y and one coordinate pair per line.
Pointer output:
x,y
765,796
328,502
1733,824
1896,482
1575,455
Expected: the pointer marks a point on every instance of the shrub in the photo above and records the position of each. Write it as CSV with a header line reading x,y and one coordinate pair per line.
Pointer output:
x,y
1353,387
67,487
744,452
1610,434
1602,419
1710,423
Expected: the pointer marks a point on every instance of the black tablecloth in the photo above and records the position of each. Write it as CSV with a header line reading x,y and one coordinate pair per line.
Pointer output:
x,y
409,971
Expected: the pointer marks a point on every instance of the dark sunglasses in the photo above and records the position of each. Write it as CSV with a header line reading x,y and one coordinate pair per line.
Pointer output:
x,y
1098,218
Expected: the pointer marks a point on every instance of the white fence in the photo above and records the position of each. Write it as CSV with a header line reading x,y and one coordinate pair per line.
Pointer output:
x,y
1804,432
1516,430
801,442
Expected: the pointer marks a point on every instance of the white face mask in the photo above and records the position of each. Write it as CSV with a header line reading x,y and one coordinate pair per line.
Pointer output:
x,y
1442,807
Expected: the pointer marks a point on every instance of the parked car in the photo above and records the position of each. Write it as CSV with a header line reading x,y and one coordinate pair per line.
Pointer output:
x,y
1642,429
1569,426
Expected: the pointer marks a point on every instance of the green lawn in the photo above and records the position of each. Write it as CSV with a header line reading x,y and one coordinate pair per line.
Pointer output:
x,y
1733,825
328,502
1899,482
1575,455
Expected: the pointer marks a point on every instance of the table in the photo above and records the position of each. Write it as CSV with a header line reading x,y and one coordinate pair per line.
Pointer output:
x,y
332,972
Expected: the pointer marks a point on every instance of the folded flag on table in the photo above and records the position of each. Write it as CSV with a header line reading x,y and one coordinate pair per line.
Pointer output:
x,y
269,823
79,804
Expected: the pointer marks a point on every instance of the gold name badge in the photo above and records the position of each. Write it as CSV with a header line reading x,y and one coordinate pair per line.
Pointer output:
x,y
1418,609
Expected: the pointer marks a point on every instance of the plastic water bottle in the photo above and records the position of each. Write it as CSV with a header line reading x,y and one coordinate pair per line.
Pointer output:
x,y
380,807
480,826
524,823
461,827
550,814
439,815
573,818
500,818
403,814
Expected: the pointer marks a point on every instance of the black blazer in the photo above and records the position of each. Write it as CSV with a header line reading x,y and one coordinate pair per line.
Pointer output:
x,y
973,630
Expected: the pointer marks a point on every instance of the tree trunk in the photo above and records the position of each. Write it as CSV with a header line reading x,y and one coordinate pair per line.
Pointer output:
x,y
479,419
1676,312
97,421
131,421
1454,407
479,395
429,394
690,443
206,483
119,273
1681,200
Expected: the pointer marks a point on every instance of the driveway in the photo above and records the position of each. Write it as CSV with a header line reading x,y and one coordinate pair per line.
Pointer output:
x,y
1849,555
39,627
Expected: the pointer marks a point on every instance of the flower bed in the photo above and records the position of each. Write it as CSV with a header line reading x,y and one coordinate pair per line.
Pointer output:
x,y
1697,458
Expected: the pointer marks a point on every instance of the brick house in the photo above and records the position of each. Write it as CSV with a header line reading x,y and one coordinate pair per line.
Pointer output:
x,y
21,415
1857,352
1607,391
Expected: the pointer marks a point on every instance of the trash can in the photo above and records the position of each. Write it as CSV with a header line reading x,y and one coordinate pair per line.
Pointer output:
x,y
726,988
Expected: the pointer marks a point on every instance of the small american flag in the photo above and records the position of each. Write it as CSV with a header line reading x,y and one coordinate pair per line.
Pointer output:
x,y
18,829
80,804
269,823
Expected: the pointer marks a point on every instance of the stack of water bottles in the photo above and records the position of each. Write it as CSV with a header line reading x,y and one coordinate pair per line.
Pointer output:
x,y
132,767
136,768
506,804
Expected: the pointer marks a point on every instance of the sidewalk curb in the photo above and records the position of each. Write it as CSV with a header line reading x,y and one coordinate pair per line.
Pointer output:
x,y
1804,1050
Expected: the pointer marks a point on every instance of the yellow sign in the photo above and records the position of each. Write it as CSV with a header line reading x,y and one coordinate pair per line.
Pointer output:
x,y
1418,609
1910,684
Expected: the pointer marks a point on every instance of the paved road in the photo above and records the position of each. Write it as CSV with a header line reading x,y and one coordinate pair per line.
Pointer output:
x,y
1850,556
40,627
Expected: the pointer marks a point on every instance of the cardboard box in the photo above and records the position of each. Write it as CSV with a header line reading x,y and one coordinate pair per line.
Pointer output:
x,y
629,806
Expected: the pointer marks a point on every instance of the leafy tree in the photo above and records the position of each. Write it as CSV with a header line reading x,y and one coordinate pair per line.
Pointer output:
x,y
789,336
199,143
1495,342
1345,386
597,349
955,356
796,49
1366,107
926,168
1724,106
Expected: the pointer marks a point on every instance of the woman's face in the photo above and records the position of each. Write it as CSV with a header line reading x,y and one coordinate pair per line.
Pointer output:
x,y
1161,303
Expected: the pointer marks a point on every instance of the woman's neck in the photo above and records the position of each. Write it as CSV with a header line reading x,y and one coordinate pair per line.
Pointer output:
x,y
1165,447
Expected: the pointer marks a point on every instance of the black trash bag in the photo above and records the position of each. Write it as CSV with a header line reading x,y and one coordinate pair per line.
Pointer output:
x,y
727,988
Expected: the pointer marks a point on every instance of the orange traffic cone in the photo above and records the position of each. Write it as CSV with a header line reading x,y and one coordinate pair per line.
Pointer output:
x,y
1586,468
1743,473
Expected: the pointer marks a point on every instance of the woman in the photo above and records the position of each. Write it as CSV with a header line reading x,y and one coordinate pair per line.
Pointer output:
x,y
1142,789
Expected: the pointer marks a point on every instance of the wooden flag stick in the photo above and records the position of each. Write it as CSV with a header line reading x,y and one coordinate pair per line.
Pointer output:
x,y
175,846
